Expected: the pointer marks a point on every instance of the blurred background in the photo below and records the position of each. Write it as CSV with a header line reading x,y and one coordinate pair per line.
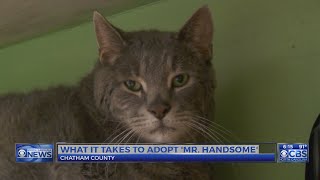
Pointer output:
x,y
267,60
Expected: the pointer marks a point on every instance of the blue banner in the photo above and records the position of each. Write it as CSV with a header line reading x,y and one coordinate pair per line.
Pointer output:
x,y
268,157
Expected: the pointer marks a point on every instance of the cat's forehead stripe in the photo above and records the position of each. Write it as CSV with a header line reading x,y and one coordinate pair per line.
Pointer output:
x,y
152,64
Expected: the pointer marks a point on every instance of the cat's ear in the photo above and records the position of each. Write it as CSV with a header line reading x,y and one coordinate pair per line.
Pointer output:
x,y
198,32
109,39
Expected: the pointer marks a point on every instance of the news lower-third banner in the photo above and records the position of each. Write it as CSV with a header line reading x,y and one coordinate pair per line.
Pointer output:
x,y
117,153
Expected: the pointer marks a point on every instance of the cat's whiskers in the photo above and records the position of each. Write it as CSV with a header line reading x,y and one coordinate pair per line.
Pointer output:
x,y
218,133
219,136
215,131
132,135
191,126
196,128
125,136
117,129
207,132
121,140
132,132
119,135
210,131
216,136
217,127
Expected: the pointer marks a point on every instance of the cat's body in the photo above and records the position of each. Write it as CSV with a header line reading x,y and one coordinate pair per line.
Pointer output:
x,y
60,116
125,93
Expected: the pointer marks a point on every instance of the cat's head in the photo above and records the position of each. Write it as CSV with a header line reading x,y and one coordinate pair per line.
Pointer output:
x,y
159,85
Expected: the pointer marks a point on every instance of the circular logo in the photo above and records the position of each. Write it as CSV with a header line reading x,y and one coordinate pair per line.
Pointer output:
x,y
284,153
22,153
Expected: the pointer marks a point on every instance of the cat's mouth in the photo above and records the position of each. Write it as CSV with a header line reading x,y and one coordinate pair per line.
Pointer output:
x,y
162,128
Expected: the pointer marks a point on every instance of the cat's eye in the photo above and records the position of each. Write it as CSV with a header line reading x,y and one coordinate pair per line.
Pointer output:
x,y
133,85
180,80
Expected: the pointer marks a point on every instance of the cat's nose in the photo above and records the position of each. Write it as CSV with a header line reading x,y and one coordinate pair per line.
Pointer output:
x,y
159,110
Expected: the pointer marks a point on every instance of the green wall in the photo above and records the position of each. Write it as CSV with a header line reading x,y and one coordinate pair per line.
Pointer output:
x,y
267,57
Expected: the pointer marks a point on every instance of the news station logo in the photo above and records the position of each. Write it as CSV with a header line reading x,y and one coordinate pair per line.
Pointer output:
x,y
34,153
293,153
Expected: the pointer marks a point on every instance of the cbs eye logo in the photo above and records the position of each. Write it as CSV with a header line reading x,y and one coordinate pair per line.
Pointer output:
x,y
284,153
22,153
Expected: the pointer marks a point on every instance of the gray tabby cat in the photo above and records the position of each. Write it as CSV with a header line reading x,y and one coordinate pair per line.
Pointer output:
x,y
148,86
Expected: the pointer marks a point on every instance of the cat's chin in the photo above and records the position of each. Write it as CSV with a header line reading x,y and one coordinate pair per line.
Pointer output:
x,y
160,139
163,137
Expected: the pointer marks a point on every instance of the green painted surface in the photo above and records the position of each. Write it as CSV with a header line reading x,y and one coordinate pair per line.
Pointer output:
x,y
267,60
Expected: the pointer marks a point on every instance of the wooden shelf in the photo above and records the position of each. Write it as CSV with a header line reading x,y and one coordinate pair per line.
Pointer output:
x,y
20,20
